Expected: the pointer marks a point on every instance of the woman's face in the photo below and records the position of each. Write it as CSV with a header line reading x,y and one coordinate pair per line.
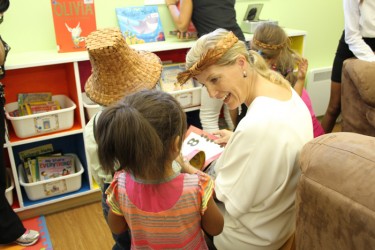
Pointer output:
x,y
226,83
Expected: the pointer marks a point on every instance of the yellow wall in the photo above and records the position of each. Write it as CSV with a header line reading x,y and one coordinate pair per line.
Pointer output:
x,y
28,24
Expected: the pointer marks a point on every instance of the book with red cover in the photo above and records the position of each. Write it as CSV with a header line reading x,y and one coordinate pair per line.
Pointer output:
x,y
198,141
73,20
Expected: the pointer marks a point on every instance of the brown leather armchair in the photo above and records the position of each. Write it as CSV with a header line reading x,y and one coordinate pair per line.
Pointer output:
x,y
358,97
335,199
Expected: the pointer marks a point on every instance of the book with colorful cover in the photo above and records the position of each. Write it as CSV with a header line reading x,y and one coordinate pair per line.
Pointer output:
x,y
140,24
73,21
40,107
168,78
199,148
35,151
55,166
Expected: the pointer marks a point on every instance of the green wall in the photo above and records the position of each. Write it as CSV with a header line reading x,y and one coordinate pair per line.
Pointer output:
x,y
28,24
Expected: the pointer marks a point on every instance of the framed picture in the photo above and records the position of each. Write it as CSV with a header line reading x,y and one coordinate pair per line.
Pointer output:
x,y
253,11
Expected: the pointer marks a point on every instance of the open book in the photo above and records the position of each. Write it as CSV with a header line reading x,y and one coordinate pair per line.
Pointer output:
x,y
199,148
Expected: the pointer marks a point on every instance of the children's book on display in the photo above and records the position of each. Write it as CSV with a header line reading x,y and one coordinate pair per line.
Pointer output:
x,y
73,21
55,166
140,24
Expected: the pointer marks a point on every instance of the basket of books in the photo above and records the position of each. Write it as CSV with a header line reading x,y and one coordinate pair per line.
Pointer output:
x,y
39,113
50,175
91,107
10,186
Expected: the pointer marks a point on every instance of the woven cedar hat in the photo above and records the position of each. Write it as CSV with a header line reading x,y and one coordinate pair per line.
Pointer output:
x,y
117,69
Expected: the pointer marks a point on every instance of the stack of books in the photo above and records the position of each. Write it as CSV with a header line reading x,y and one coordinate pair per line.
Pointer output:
x,y
43,163
35,103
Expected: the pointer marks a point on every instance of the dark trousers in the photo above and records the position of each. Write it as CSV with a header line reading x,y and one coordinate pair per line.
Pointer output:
x,y
11,227
122,241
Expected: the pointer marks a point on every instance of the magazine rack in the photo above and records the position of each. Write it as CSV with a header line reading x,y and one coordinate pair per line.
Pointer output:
x,y
65,74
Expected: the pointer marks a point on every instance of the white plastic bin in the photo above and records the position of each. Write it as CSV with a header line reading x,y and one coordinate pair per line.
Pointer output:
x,y
91,107
55,186
47,122
9,190
188,98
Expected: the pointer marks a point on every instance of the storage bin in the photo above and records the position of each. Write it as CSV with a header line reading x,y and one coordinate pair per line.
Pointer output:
x,y
187,98
55,186
47,122
91,107
9,190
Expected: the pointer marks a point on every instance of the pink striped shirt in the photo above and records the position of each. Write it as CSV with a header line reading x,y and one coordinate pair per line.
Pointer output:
x,y
162,215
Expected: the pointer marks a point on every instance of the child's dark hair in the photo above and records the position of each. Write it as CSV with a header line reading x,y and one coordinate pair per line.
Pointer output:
x,y
4,5
271,42
138,132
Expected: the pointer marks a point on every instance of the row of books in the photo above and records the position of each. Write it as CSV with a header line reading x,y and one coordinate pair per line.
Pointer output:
x,y
44,163
35,103
75,20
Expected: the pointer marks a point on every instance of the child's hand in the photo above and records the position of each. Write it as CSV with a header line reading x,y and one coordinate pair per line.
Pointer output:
x,y
185,165
302,69
224,136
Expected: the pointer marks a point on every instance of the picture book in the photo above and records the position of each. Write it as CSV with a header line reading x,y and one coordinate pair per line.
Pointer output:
x,y
168,78
140,24
35,151
73,20
200,144
33,167
55,166
40,107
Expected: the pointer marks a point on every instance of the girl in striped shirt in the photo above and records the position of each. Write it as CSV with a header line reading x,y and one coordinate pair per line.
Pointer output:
x,y
163,208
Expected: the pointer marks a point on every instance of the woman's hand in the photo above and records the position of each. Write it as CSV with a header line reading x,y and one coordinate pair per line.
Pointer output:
x,y
224,136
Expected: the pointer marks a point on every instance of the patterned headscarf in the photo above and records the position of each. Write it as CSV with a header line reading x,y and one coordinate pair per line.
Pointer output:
x,y
209,58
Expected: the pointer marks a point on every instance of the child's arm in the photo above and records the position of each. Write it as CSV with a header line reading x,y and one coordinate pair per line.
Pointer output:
x,y
117,223
212,220
301,76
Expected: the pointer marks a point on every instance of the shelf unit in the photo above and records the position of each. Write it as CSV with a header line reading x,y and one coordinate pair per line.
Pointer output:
x,y
66,73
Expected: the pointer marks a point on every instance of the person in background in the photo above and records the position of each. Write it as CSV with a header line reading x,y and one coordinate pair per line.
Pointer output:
x,y
273,44
163,208
12,229
257,173
113,77
207,16
357,40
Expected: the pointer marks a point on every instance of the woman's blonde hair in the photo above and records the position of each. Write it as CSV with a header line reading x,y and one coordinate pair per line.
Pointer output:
x,y
209,41
271,42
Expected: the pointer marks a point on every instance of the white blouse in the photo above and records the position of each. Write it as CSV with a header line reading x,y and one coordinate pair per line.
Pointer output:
x,y
359,23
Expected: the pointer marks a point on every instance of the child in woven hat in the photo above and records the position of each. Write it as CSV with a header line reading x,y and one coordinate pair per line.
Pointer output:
x,y
272,43
163,208
117,70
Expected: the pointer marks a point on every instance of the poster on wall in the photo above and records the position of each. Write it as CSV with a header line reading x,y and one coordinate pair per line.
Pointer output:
x,y
73,21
